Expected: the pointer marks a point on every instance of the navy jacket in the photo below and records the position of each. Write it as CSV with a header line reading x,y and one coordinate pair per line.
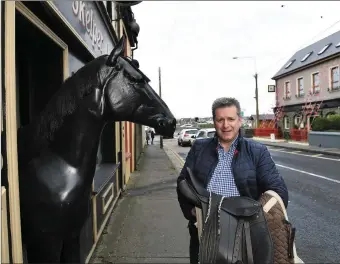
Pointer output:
x,y
253,169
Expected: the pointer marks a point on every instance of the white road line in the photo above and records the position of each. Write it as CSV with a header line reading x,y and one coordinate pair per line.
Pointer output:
x,y
308,173
311,156
317,155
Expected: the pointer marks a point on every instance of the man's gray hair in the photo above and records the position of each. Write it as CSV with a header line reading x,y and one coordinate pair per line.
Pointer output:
x,y
225,102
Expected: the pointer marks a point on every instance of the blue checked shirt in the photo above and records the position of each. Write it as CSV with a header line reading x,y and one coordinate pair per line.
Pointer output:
x,y
222,181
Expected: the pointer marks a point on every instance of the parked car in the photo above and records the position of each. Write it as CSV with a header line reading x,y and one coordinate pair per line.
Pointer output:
x,y
185,136
204,133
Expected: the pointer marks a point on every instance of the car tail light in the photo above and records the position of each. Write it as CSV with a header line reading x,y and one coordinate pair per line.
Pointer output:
x,y
186,135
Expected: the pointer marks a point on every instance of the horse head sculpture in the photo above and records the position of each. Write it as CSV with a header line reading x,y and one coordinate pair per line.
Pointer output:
x,y
58,149
123,82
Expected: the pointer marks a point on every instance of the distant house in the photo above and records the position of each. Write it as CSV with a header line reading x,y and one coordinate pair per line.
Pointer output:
x,y
265,120
307,86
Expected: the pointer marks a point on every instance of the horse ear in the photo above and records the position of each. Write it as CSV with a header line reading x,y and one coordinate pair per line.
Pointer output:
x,y
116,52
135,63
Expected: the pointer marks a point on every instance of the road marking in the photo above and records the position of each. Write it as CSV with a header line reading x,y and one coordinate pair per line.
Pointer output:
x,y
180,159
311,156
298,151
308,173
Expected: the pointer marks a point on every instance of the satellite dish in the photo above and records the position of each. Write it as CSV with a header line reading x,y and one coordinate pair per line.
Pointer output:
x,y
127,3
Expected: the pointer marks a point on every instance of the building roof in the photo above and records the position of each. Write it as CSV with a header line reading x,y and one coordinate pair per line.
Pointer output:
x,y
313,53
264,116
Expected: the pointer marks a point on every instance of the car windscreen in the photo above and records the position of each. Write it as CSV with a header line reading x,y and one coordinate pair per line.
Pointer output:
x,y
191,132
211,134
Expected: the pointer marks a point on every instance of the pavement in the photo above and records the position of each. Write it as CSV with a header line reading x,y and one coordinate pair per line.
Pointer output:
x,y
293,145
313,182
147,225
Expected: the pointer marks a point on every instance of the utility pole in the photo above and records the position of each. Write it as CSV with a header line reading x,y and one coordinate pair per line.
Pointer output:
x,y
160,95
257,102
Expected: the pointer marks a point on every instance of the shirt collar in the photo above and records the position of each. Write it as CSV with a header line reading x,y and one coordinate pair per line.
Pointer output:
x,y
232,146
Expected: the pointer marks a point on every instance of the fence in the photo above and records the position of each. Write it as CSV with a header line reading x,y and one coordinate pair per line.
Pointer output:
x,y
265,132
298,134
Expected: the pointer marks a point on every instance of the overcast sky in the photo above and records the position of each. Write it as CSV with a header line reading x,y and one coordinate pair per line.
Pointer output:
x,y
194,42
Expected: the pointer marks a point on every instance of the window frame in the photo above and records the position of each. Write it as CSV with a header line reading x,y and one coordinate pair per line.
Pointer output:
x,y
298,92
314,91
286,94
331,77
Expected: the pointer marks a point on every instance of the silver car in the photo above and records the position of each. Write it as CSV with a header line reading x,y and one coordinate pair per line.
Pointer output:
x,y
204,133
185,137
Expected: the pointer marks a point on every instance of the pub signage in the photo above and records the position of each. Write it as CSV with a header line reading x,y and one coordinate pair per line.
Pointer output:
x,y
85,15
86,20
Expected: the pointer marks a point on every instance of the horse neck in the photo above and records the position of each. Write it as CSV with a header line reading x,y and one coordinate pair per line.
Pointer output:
x,y
68,126
77,141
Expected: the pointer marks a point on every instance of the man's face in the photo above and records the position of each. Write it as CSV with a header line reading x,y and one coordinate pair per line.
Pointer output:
x,y
227,123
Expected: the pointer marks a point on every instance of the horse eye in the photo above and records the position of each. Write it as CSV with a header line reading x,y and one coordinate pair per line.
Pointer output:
x,y
118,67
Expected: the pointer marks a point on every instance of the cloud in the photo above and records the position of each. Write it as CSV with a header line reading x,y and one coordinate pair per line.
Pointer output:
x,y
194,42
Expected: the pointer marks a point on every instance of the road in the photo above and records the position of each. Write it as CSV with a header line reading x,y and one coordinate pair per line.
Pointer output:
x,y
313,181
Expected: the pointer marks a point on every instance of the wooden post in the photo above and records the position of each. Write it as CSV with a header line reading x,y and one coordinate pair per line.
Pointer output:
x,y
4,228
11,133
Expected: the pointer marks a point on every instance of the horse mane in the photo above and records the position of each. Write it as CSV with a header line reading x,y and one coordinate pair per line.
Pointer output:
x,y
41,131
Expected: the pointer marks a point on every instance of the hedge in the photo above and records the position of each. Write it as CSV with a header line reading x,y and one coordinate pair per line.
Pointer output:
x,y
331,123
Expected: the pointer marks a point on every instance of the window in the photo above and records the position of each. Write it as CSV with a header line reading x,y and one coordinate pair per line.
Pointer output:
x,y
298,123
200,134
287,90
290,63
335,77
316,83
211,134
306,57
324,49
286,122
300,90
297,120
191,132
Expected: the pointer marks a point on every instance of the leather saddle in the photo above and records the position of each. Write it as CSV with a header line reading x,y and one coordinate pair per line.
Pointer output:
x,y
234,229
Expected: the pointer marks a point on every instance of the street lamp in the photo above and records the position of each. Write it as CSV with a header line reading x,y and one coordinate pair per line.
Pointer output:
x,y
256,88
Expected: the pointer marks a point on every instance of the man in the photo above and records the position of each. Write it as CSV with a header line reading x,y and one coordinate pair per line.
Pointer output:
x,y
147,136
152,136
229,165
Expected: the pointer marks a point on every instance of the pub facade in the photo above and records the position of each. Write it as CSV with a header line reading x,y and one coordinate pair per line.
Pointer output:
x,y
42,44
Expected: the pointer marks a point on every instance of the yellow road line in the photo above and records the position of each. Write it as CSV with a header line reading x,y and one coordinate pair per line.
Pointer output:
x,y
180,159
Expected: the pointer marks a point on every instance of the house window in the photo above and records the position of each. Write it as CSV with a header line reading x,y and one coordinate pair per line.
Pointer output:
x,y
287,90
324,49
286,122
301,91
289,63
306,56
298,122
316,83
335,77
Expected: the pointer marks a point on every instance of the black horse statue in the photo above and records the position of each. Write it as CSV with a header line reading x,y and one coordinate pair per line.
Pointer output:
x,y
57,151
